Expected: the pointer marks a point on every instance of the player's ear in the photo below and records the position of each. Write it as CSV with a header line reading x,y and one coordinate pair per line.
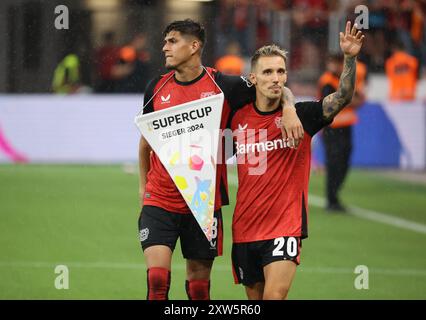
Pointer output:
x,y
252,78
195,46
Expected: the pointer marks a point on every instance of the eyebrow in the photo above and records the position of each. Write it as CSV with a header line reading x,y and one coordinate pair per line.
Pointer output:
x,y
270,69
170,38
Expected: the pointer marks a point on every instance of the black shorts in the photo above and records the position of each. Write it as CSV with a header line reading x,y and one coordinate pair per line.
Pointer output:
x,y
160,227
249,258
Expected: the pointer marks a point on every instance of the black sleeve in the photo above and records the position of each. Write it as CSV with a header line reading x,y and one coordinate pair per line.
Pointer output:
x,y
238,91
311,115
326,90
149,92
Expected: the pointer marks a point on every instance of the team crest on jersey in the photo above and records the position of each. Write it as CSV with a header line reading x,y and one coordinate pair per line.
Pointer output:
x,y
278,122
207,94
165,99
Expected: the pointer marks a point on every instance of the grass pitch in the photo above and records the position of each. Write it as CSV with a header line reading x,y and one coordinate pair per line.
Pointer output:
x,y
85,217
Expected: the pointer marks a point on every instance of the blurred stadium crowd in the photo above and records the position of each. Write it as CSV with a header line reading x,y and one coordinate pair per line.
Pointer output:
x,y
308,29
244,25
115,47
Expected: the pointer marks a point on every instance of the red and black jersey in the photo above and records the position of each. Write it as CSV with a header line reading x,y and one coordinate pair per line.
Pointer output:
x,y
272,178
160,189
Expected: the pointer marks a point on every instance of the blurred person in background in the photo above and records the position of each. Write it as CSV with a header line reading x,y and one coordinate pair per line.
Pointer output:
x,y
231,63
105,58
402,72
312,17
67,76
245,21
417,31
309,27
132,71
240,20
338,136
407,20
380,22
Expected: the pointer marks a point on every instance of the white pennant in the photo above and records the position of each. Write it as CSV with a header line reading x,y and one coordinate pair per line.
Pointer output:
x,y
185,138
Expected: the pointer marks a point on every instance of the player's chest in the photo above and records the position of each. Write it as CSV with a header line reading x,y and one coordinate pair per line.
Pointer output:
x,y
263,136
172,96
256,129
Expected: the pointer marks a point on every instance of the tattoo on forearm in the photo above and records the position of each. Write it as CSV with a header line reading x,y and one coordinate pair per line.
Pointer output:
x,y
287,98
336,101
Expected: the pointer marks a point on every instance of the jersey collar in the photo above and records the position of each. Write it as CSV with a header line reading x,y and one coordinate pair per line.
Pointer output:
x,y
187,83
265,113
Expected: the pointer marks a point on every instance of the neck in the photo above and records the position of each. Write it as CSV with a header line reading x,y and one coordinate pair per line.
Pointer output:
x,y
189,72
265,104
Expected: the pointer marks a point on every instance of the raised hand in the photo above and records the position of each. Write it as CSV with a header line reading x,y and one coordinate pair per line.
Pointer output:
x,y
351,41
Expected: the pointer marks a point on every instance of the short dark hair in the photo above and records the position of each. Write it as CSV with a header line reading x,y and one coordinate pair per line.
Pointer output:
x,y
187,27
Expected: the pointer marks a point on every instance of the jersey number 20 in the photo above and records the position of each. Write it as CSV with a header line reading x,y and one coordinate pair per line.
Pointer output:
x,y
291,246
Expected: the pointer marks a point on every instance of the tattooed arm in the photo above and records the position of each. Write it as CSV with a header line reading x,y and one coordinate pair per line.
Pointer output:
x,y
350,43
333,103
291,128
288,99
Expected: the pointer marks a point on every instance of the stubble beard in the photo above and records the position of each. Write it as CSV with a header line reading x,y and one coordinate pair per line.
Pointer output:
x,y
170,67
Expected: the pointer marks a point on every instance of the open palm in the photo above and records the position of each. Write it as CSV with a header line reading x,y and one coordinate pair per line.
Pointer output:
x,y
351,41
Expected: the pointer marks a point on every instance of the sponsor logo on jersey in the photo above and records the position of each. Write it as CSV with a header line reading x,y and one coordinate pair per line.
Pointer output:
x,y
165,99
242,128
263,146
207,94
